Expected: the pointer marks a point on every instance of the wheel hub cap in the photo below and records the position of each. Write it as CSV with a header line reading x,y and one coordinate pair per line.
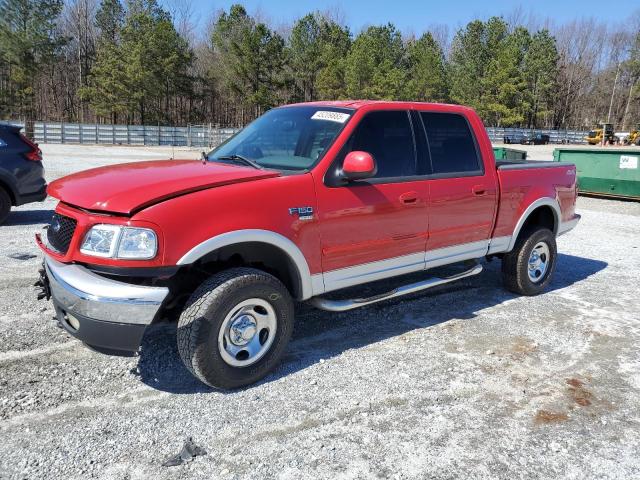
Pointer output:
x,y
243,329
539,262
247,332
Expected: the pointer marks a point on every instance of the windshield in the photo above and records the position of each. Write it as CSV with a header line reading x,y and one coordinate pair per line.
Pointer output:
x,y
289,138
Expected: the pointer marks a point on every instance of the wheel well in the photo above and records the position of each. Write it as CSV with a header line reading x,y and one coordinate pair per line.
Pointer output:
x,y
262,256
541,217
259,255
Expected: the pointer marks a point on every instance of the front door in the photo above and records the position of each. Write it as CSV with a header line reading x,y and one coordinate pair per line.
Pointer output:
x,y
374,228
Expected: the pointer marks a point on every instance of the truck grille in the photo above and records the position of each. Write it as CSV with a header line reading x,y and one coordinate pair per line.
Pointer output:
x,y
60,232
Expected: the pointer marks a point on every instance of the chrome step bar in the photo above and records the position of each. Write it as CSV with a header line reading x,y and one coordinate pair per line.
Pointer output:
x,y
350,304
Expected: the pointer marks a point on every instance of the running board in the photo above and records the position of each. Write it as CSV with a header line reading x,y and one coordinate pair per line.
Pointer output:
x,y
350,304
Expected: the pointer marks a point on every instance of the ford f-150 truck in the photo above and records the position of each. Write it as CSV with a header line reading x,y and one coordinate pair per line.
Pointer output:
x,y
308,199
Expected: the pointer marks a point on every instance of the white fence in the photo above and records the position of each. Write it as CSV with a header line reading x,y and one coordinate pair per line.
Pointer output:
x,y
497,134
210,136
190,136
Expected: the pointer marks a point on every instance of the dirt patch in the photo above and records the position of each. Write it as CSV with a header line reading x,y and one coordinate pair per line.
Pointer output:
x,y
578,393
523,345
546,417
574,382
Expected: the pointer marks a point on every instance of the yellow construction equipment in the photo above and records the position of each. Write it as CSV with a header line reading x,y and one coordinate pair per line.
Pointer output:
x,y
595,135
634,137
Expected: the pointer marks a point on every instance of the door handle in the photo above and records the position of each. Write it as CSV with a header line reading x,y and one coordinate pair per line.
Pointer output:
x,y
479,190
409,198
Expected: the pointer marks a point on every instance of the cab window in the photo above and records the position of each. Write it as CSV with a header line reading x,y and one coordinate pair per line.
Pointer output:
x,y
451,145
388,137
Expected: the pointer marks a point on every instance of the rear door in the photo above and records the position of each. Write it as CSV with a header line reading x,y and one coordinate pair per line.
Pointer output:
x,y
377,227
463,196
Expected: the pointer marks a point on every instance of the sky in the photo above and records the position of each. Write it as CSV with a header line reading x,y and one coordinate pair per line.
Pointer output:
x,y
414,16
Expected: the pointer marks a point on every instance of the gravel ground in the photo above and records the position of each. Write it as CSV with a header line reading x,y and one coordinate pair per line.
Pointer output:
x,y
467,382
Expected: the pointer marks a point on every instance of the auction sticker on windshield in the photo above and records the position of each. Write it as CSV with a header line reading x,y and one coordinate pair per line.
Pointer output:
x,y
331,116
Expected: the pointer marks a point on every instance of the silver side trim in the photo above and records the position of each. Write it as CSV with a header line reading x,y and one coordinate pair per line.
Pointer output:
x,y
569,225
392,267
499,244
343,305
317,283
456,253
256,235
78,290
541,202
369,272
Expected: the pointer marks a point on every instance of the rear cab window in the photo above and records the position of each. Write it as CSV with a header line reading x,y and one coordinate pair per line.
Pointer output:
x,y
451,145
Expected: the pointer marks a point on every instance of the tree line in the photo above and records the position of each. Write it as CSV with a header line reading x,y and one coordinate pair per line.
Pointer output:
x,y
138,63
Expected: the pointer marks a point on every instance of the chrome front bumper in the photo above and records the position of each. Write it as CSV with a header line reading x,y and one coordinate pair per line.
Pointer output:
x,y
80,292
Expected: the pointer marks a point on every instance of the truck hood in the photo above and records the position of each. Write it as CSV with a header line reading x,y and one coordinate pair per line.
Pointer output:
x,y
130,187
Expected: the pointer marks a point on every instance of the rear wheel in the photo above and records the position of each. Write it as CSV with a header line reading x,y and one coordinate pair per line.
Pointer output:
x,y
235,327
528,268
5,205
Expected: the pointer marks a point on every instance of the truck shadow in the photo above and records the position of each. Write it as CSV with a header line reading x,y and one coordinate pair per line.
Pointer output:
x,y
322,335
29,217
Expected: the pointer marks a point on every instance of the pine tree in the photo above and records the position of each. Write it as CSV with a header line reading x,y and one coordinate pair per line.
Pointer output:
x,y
317,48
467,64
251,58
140,65
335,46
28,42
540,70
374,67
109,20
503,102
108,91
426,76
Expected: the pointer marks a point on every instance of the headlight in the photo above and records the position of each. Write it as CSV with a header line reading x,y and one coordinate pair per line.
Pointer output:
x,y
113,241
101,241
138,243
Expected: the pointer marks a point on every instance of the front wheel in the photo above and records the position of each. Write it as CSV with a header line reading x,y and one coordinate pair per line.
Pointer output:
x,y
528,268
235,327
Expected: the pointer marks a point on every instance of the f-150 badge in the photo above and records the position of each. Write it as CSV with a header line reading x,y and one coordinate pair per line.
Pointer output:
x,y
303,213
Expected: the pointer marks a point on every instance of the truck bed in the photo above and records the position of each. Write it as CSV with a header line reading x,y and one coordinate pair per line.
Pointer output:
x,y
528,164
523,181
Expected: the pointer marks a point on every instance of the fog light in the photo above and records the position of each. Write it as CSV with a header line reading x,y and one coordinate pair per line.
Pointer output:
x,y
72,321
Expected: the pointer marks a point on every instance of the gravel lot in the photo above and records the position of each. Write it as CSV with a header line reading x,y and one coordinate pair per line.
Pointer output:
x,y
468,382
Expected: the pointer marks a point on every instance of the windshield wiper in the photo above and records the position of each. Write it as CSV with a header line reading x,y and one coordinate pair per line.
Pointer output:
x,y
240,159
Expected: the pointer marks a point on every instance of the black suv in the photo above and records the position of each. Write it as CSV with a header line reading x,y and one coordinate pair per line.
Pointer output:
x,y
21,171
527,138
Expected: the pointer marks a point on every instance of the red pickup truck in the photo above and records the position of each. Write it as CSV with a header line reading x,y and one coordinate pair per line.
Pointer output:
x,y
306,200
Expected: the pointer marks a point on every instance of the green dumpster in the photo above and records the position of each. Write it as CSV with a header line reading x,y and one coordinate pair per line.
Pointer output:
x,y
502,153
604,171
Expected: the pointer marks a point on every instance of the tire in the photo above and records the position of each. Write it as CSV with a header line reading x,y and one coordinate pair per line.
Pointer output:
x,y
5,205
253,301
515,264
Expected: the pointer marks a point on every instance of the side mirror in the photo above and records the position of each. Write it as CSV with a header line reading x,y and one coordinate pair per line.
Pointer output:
x,y
358,166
